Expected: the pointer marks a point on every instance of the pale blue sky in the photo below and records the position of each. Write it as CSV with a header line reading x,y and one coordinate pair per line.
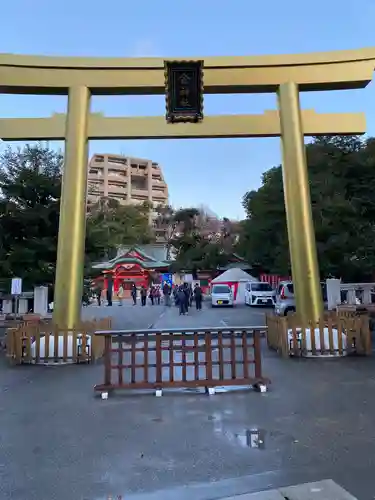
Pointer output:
x,y
196,170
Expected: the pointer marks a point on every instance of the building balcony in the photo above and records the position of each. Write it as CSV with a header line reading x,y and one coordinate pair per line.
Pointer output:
x,y
159,194
117,172
138,173
113,189
117,179
120,160
95,195
136,201
97,160
140,192
159,184
95,187
95,175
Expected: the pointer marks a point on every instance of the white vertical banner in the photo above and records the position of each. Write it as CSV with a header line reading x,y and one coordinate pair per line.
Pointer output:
x,y
16,288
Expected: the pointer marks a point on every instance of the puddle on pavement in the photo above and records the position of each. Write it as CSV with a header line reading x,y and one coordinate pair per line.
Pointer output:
x,y
246,438
249,438
157,419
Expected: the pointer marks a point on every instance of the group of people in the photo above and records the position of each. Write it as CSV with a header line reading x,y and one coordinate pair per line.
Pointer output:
x,y
183,295
153,293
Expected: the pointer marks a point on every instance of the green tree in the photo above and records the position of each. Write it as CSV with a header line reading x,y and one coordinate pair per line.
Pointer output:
x,y
30,189
264,237
197,239
165,226
111,225
30,186
201,243
187,234
342,185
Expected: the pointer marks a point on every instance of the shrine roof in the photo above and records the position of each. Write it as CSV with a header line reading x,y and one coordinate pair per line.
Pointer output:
x,y
155,252
144,257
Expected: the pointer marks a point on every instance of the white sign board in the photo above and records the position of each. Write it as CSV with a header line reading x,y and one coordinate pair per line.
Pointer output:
x,y
16,286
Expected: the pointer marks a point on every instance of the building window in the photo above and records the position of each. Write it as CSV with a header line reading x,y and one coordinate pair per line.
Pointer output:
x,y
139,183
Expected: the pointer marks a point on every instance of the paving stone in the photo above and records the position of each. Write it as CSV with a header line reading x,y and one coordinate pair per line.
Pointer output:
x,y
320,490
262,495
144,452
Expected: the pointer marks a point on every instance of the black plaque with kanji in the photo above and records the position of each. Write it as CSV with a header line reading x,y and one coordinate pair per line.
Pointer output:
x,y
184,91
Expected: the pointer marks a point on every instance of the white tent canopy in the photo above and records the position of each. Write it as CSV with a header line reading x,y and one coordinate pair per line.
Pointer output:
x,y
237,279
236,274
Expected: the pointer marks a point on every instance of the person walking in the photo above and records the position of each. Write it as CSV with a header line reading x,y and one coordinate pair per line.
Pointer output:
x,y
120,295
134,294
191,295
198,297
109,290
182,300
187,296
175,295
143,295
167,294
157,295
98,295
152,295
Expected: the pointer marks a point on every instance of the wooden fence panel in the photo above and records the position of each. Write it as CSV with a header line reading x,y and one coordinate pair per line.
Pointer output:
x,y
47,343
336,334
157,359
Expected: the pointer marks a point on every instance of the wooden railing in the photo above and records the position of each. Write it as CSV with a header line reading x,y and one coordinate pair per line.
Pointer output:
x,y
334,335
205,357
277,336
46,343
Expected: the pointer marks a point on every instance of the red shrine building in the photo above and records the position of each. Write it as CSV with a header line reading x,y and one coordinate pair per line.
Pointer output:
x,y
141,265
145,265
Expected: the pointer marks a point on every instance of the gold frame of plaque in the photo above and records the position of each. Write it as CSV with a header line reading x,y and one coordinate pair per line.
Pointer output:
x,y
184,91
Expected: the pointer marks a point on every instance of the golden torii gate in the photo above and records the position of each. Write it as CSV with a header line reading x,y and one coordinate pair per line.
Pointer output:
x,y
287,75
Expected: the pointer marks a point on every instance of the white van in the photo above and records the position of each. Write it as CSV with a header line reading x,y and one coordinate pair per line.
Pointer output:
x,y
221,295
259,293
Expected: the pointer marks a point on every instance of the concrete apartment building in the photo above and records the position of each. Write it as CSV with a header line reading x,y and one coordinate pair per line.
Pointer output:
x,y
128,180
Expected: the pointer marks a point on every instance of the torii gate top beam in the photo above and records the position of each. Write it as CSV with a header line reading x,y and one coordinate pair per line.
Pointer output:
x,y
347,69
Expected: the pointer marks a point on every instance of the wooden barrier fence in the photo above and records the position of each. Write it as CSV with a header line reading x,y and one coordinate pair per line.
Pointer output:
x,y
205,357
335,334
45,343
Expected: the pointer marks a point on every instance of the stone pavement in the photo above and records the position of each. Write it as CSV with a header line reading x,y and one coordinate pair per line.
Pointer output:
x,y
57,440
126,316
211,317
319,490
